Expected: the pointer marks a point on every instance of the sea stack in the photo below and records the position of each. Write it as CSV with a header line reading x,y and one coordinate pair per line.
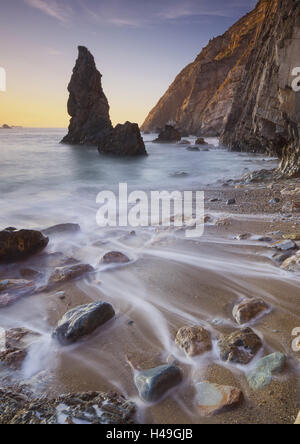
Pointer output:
x,y
89,110
87,104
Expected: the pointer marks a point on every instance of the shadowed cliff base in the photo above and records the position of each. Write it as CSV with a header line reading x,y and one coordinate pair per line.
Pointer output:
x,y
90,122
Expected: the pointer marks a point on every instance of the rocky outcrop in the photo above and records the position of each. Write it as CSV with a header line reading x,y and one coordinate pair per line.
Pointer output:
x,y
168,135
123,140
89,110
87,104
265,114
16,245
200,99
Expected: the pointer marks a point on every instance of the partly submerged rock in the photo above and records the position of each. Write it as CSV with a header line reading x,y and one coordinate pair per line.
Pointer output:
x,y
194,341
284,245
193,148
123,140
200,141
292,263
239,347
17,245
14,345
248,310
184,142
292,236
87,104
115,257
76,408
154,384
168,135
262,374
82,321
243,236
68,273
231,202
62,229
30,273
11,290
213,399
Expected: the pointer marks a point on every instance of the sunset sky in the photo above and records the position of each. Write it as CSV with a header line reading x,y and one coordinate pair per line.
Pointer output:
x,y
139,47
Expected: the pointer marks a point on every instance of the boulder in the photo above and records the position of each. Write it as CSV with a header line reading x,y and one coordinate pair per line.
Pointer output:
x,y
168,135
248,310
155,383
68,273
62,229
200,141
292,263
123,140
11,290
115,257
284,245
239,347
17,245
76,408
194,341
262,374
82,321
213,399
244,236
87,104
184,142
16,343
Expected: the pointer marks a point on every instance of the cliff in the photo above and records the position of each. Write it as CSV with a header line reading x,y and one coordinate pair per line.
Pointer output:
x,y
265,116
200,99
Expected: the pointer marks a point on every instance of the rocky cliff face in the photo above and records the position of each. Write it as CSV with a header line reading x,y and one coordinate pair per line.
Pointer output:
x,y
200,99
87,105
265,115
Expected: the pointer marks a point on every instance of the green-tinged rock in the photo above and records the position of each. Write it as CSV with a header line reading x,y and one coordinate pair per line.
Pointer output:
x,y
82,321
153,384
262,374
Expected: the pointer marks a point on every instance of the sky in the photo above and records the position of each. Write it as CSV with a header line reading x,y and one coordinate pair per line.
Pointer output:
x,y
139,47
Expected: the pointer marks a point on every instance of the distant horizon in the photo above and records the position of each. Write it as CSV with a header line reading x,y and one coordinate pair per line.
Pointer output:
x,y
139,48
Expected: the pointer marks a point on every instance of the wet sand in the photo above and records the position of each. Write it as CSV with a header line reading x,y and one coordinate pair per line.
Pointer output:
x,y
176,282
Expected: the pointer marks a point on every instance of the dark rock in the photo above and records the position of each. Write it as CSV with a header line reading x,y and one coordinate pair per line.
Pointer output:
x,y
231,202
184,142
168,135
6,126
82,321
62,229
285,245
248,310
154,384
68,273
17,245
239,347
123,140
115,257
281,257
193,148
194,341
265,239
274,201
76,408
87,105
201,141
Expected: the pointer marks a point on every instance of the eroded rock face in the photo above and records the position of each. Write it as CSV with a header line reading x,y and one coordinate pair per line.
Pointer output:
x,y
200,99
265,113
87,105
168,135
239,347
17,245
194,341
123,140
77,408
153,384
82,321
248,310
213,399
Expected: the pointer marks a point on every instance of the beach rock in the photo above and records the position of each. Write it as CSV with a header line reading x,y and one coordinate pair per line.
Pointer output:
x,y
200,141
244,236
87,104
193,148
274,201
76,408
123,140
292,237
239,347
262,374
284,245
5,126
213,399
14,345
265,239
231,202
194,341
62,229
17,245
292,263
82,321
11,290
68,273
248,310
279,258
184,142
168,135
115,257
154,384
